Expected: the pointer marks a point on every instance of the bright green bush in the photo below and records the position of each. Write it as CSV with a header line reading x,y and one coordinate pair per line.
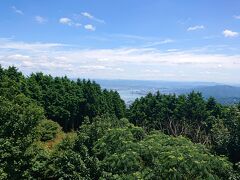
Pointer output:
x,y
157,156
18,118
47,130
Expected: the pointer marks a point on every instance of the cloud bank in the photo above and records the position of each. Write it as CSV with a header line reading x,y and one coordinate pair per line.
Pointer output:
x,y
119,63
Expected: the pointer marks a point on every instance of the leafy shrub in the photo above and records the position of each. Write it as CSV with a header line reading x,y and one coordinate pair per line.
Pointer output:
x,y
47,130
157,156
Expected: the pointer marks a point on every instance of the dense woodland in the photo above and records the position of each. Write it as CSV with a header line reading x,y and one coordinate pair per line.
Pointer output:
x,y
57,128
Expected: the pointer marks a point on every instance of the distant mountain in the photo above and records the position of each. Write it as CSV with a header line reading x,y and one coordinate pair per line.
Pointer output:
x,y
225,94
132,89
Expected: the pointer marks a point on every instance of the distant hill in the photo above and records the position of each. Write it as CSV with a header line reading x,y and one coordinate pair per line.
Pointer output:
x,y
225,94
132,89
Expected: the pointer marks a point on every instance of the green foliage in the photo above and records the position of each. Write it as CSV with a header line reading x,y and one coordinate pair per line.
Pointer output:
x,y
171,114
157,156
102,143
220,137
65,101
38,158
47,130
12,82
232,123
66,164
18,118
68,102
205,122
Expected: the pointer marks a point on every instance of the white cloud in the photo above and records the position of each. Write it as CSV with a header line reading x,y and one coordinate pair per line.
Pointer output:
x,y
90,27
89,16
18,11
120,63
194,28
74,21
22,46
19,57
172,50
65,21
166,41
229,33
93,67
69,22
130,36
237,17
40,19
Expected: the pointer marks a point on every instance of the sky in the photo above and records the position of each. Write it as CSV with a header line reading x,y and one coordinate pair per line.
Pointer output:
x,y
169,40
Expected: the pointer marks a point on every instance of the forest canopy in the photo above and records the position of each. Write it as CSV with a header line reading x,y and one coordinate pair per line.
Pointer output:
x,y
58,128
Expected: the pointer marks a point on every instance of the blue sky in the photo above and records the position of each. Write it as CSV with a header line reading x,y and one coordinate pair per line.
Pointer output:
x,y
128,39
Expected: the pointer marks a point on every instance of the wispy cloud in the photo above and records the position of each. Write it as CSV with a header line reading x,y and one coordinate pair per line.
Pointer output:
x,y
69,22
18,11
19,57
130,36
40,19
90,27
156,43
9,44
237,16
76,21
65,21
194,28
229,33
90,16
138,40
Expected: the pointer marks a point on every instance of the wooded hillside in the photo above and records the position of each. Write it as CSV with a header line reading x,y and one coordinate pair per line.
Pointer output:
x,y
57,128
